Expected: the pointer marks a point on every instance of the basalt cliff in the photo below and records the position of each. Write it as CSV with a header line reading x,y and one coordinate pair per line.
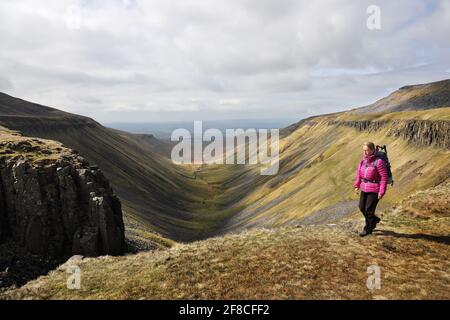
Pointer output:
x,y
53,203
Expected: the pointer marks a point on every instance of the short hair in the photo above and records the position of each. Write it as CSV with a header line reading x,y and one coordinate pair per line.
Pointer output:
x,y
370,145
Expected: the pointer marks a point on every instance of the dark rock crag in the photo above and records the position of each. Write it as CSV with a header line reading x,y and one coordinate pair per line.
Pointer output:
x,y
58,207
433,133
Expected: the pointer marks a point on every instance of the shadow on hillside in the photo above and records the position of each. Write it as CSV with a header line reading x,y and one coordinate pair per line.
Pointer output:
x,y
438,239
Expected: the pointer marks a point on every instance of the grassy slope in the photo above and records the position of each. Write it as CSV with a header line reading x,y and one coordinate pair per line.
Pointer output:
x,y
314,262
415,97
317,169
38,150
432,114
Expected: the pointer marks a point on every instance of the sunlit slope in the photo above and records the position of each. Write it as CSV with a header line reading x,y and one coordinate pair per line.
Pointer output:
x,y
414,97
318,162
431,114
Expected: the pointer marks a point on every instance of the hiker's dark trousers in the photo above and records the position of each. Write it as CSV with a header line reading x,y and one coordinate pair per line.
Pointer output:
x,y
367,204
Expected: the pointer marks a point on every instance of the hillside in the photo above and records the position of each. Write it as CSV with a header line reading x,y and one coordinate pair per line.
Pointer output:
x,y
156,195
413,97
307,262
318,164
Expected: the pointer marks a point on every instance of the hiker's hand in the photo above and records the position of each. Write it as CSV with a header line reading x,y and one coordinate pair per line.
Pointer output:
x,y
356,190
380,196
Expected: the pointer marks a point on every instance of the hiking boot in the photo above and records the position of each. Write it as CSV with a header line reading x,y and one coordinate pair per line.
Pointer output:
x,y
375,222
365,232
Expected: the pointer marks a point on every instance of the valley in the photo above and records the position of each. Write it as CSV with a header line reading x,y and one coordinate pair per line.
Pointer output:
x,y
229,223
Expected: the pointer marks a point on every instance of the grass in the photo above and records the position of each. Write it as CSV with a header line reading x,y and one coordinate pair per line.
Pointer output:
x,y
314,262
424,211
137,231
13,145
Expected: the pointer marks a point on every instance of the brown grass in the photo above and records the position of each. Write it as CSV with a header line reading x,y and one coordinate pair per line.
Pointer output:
x,y
314,262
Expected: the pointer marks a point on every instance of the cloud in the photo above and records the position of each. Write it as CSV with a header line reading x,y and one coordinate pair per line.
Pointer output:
x,y
128,60
230,102
5,84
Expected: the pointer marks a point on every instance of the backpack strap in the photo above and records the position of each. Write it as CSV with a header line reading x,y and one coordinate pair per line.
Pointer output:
x,y
375,162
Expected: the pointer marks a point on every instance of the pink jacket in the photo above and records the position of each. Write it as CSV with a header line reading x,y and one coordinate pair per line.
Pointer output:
x,y
377,176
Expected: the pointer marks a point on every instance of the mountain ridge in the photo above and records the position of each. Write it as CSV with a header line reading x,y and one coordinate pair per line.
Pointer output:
x,y
412,98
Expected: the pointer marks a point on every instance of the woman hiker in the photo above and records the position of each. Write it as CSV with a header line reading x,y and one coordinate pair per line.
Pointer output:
x,y
372,179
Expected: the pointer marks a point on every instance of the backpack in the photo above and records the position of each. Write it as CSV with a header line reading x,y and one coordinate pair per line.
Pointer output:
x,y
382,154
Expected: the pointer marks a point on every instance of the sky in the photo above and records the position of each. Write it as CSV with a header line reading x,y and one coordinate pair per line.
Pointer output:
x,y
165,60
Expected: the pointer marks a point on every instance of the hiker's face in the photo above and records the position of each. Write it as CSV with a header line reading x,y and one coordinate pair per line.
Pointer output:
x,y
367,151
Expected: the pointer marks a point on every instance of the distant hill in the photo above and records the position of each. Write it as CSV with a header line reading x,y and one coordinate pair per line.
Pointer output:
x,y
11,106
164,130
415,97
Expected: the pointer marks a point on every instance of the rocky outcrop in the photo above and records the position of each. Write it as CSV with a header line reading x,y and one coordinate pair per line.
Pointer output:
x,y
434,133
423,132
57,205
362,125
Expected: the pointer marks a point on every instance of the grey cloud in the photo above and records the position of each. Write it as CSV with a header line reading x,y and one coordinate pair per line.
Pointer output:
x,y
5,84
132,59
